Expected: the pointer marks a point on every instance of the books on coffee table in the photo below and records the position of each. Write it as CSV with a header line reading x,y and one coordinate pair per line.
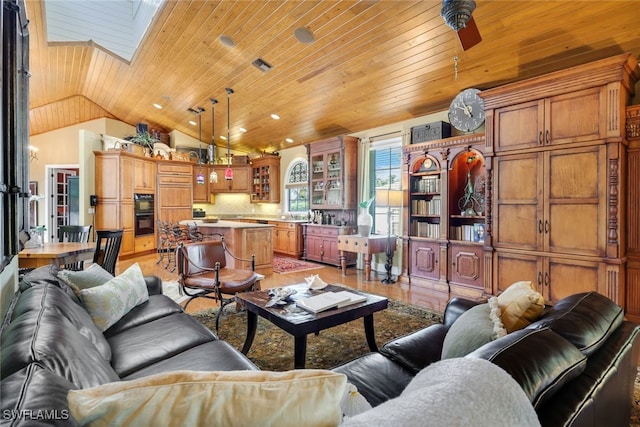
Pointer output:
x,y
329,300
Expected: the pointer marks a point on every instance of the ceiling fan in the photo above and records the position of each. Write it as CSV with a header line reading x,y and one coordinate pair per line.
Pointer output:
x,y
457,15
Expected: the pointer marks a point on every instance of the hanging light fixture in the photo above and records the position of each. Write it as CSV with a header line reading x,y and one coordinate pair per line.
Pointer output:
x,y
199,111
213,176
456,13
228,174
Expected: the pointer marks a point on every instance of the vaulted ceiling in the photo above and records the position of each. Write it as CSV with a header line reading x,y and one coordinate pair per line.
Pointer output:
x,y
372,63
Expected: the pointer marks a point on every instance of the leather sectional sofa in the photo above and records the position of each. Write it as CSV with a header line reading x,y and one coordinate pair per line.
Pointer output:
x,y
576,364
49,346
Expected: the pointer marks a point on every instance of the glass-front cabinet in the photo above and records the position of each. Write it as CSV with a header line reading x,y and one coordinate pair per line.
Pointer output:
x,y
333,176
326,179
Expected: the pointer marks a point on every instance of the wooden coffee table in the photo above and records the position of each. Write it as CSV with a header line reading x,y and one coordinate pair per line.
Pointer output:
x,y
300,323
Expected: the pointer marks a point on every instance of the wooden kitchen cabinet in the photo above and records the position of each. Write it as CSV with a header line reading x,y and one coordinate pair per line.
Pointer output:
x,y
288,238
321,243
265,179
174,197
115,173
201,191
239,184
144,176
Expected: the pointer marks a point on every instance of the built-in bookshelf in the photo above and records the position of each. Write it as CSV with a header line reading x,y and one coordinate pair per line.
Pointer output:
x,y
425,198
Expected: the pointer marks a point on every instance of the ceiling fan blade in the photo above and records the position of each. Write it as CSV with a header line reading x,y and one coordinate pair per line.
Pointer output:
x,y
469,36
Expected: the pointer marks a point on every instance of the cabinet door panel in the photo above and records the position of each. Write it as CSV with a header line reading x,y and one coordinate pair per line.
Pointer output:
x,y
518,201
570,276
511,268
519,126
576,201
127,176
466,265
174,196
424,259
576,116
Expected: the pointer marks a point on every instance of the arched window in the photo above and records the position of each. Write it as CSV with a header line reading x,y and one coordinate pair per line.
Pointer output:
x,y
297,187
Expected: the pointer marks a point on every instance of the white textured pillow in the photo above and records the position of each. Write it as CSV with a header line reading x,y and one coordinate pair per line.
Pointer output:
x,y
309,397
454,392
107,303
93,276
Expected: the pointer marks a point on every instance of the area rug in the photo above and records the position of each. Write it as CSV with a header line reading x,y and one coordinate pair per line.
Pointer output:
x,y
284,265
272,348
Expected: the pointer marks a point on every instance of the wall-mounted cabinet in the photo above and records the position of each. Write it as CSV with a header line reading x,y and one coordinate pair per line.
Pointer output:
x,y
239,184
265,179
201,188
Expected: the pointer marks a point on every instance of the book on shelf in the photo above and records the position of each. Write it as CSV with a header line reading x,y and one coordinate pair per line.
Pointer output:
x,y
328,300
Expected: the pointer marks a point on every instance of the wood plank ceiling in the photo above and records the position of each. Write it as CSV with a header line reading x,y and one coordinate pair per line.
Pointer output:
x,y
372,63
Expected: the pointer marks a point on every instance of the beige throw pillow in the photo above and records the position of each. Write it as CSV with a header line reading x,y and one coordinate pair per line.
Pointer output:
x,y
520,305
309,397
109,302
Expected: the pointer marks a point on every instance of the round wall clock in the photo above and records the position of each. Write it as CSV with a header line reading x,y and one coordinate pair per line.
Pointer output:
x,y
466,112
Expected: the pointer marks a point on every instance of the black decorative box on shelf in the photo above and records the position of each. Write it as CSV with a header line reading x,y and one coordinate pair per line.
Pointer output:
x,y
430,132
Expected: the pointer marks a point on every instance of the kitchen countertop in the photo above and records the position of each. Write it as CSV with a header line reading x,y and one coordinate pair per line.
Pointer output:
x,y
223,223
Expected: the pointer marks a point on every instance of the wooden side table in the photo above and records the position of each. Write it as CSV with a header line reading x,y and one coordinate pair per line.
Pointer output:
x,y
368,246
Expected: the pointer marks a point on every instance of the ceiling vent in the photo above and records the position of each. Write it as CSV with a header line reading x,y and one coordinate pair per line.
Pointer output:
x,y
261,64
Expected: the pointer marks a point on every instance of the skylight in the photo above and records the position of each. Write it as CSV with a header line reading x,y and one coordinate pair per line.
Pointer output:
x,y
116,25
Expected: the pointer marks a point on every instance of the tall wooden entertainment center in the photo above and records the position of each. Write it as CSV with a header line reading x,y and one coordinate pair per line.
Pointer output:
x,y
557,196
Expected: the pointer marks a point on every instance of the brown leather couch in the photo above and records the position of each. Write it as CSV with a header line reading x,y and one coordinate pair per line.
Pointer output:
x,y
577,363
49,345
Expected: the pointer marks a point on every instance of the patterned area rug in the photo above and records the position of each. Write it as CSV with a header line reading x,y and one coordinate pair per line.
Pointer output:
x,y
272,348
284,265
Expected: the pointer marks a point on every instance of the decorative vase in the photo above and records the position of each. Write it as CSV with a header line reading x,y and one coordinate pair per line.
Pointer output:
x,y
365,220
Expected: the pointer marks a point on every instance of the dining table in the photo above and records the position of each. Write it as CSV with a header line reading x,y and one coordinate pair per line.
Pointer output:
x,y
56,253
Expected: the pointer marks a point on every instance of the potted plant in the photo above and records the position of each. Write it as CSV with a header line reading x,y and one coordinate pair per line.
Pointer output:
x,y
145,140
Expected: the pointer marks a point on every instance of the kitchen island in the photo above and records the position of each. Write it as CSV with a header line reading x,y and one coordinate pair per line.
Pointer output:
x,y
243,240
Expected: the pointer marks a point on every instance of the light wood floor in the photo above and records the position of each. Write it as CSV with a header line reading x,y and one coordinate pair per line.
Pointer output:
x,y
330,274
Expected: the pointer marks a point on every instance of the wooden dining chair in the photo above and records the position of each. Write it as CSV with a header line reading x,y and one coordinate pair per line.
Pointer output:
x,y
107,249
74,233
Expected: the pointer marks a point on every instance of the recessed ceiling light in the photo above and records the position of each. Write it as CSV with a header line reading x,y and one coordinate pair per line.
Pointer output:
x,y
223,137
289,140
158,106
304,35
192,123
243,130
227,41
275,117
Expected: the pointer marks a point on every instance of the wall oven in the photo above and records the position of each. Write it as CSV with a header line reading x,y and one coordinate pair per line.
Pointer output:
x,y
144,214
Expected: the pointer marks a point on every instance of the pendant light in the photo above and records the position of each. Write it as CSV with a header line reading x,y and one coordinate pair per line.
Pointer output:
x,y
199,111
228,174
213,176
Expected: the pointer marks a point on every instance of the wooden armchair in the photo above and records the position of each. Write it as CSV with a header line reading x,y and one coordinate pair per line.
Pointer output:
x,y
203,273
